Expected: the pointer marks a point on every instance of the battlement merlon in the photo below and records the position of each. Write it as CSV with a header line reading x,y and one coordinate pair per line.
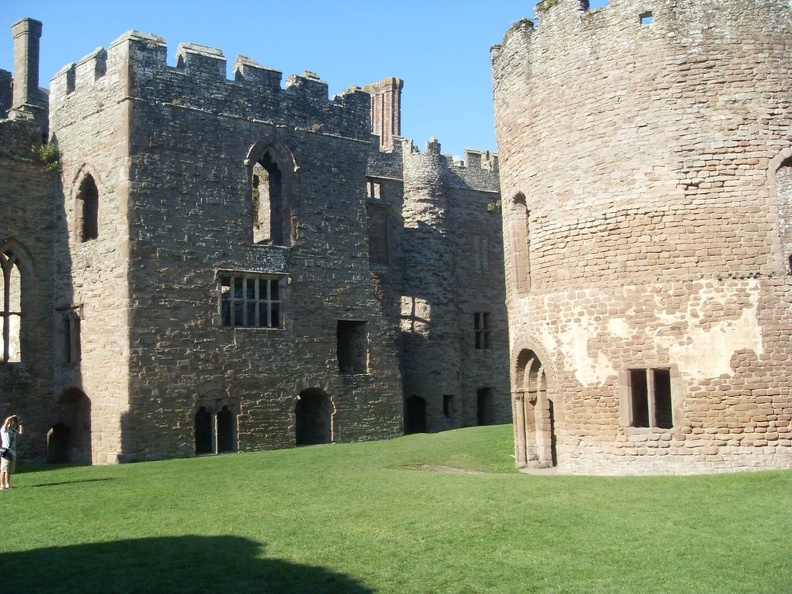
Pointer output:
x,y
478,171
136,65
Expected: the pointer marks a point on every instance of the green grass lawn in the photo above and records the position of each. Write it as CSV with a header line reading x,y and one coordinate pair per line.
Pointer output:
x,y
393,516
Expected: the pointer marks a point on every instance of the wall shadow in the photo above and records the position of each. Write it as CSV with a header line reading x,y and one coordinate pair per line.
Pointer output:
x,y
167,564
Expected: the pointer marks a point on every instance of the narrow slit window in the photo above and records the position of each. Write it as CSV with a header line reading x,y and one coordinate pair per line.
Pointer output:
x,y
71,337
88,209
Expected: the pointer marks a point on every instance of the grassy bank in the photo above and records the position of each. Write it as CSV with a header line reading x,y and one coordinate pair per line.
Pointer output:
x,y
423,513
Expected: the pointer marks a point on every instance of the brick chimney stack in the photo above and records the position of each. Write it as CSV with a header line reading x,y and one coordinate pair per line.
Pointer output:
x,y
385,109
27,34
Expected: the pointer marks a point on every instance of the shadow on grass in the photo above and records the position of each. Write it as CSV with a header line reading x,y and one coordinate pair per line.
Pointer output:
x,y
167,564
99,480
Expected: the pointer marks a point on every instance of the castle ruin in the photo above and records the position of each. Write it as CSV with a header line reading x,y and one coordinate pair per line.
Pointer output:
x,y
646,172
193,264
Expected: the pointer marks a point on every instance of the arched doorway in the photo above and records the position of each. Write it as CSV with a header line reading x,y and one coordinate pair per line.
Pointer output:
x,y
58,444
203,432
69,439
225,430
534,414
314,415
414,415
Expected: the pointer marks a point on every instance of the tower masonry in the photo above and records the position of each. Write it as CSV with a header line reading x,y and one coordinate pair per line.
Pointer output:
x,y
645,152
193,264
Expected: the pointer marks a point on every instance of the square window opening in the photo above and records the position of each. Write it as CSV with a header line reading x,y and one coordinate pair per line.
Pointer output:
x,y
650,398
249,301
352,347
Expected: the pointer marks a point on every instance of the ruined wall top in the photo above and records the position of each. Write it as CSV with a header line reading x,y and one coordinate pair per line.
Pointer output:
x,y
478,170
560,21
136,64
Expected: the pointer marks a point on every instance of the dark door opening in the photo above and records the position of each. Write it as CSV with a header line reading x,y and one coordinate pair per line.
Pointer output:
x,y
415,415
313,418
203,431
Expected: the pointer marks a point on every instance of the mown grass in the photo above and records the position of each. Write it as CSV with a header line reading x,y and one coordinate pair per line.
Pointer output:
x,y
391,517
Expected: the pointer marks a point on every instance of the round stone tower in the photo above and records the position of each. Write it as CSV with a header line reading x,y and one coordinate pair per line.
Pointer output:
x,y
428,311
646,158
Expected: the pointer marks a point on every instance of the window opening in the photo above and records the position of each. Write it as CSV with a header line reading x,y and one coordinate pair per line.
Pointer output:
x,y
481,325
650,398
88,209
521,243
553,440
481,253
71,337
379,240
11,313
352,347
250,301
268,203
373,188
646,18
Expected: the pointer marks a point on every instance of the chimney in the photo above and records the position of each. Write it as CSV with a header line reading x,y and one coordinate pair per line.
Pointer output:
x,y
385,109
27,34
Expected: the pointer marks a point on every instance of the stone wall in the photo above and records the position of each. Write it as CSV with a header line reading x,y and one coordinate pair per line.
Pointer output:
x,y
27,198
176,214
639,146
447,265
206,277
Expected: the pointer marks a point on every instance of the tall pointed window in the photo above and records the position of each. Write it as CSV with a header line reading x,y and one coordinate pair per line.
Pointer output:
x,y
521,244
11,312
268,203
88,209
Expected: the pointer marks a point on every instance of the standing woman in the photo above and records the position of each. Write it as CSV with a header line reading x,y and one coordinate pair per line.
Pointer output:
x,y
8,435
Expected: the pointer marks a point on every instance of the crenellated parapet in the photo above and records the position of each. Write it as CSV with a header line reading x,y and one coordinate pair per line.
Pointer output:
x,y
198,82
566,28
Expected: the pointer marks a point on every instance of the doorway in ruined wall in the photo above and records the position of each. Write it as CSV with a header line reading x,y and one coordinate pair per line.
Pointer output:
x,y
485,406
215,431
534,414
414,415
69,440
203,431
314,418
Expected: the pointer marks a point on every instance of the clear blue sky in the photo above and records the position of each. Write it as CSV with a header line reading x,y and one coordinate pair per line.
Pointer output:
x,y
440,48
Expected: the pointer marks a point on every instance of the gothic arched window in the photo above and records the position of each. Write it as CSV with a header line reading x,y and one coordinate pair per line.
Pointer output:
x,y
11,305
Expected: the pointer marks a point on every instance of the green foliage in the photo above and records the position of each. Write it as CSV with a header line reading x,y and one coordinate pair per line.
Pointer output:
x,y
493,206
48,154
546,4
445,512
